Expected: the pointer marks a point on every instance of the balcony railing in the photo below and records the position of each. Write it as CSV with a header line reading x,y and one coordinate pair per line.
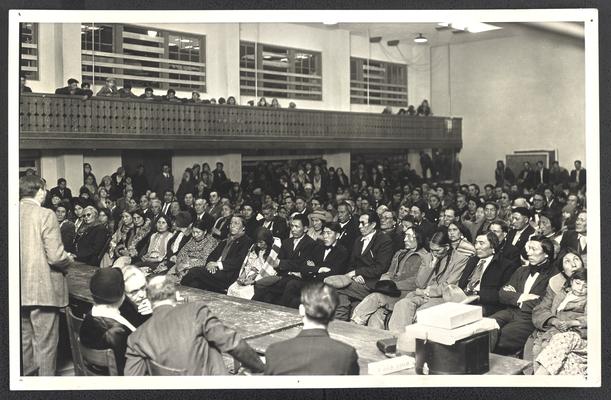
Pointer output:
x,y
53,121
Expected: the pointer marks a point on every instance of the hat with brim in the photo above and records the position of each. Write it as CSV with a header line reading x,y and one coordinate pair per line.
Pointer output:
x,y
324,216
387,287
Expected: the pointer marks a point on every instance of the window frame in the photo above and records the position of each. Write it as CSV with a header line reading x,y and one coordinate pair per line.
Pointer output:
x,y
360,83
31,75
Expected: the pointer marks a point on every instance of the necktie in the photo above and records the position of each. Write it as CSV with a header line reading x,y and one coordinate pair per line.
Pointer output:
x,y
476,277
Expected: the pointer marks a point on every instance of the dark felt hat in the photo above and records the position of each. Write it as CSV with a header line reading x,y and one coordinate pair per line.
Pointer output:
x,y
107,285
387,287
522,210
183,219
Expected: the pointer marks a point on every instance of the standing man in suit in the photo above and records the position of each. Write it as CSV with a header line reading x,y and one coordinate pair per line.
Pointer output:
x,y
294,253
274,223
312,351
522,293
526,178
541,174
44,288
370,258
164,181
168,196
61,191
578,175
486,273
224,263
521,229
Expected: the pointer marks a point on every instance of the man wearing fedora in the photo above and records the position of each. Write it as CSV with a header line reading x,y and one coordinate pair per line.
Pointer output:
x,y
104,327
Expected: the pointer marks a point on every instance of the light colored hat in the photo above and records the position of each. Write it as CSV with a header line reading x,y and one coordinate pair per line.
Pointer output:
x,y
324,216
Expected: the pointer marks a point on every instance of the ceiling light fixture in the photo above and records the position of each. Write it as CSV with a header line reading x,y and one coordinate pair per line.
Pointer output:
x,y
375,39
392,43
420,39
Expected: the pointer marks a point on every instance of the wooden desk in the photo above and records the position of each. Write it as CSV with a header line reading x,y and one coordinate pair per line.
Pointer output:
x,y
250,318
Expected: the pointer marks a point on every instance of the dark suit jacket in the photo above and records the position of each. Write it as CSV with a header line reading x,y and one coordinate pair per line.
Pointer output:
x,y
526,178
205,217
55,191
348,234
496,276
582,176
518,279
234,259
293,260
337,261
66,91
90,245
161,184
538,180
374,261
570,240
102,333
279,229
311,352
521,243
509,251
169,253
427,228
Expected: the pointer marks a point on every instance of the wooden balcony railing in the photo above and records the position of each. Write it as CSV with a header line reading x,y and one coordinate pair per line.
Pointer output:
x,y
52,121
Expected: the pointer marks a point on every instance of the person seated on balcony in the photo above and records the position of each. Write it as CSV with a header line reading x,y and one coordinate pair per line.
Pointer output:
x,y
424,109
262,102
251,103
109,89
221,101
86,88
71,90
231,101
411,110
275,103
212,101
126,92
387,110
22,87
195,98
148,94
104,327
292,105
401,111
171,97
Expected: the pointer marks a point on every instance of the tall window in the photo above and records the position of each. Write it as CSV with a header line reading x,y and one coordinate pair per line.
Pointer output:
x,y
377,82
274,71
29,50
143,57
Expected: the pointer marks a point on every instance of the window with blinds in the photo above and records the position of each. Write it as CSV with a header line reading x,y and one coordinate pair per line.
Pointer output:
x,y
29,50
143,57
274,71
377,82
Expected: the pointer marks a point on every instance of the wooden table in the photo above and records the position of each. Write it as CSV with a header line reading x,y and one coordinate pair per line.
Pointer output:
x,y
262,324
250,318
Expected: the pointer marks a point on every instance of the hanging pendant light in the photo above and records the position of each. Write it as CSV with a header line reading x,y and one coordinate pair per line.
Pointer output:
x,y
420,39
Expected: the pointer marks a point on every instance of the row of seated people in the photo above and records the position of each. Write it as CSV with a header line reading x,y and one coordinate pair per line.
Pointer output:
x,y
423,110
110,89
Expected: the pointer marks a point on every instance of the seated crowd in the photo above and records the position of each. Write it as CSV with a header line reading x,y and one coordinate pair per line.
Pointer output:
x,y
387,242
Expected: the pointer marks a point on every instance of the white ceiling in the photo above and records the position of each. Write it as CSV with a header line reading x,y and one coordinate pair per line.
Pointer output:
x,y
406,32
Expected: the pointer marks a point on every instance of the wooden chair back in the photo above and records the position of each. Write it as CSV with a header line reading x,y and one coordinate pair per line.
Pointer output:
x,y
74,327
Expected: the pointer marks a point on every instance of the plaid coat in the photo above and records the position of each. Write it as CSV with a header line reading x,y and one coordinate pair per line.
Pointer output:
x,y
42,257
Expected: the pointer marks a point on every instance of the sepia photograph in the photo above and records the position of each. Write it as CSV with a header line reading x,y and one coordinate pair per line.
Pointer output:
x,y
303,199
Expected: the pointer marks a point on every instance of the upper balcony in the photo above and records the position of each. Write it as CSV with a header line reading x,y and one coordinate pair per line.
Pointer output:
x,y
63,122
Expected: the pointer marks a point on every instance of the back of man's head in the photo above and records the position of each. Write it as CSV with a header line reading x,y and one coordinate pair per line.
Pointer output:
x,y
319,302
159,289
29,185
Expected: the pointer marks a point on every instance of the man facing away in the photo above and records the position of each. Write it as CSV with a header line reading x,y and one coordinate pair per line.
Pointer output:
x,y
44,288
184,336
312,351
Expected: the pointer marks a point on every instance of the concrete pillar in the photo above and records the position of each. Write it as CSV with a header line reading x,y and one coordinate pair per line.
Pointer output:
x,y
338,160
70,167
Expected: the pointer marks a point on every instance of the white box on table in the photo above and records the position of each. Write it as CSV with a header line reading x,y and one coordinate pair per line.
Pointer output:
x,y
449,315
